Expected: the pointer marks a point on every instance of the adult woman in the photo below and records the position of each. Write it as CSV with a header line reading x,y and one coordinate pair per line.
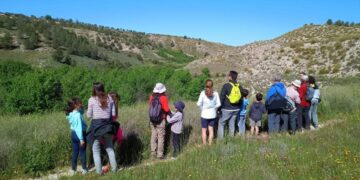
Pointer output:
x,y
314,102
100,109
209,102
158,128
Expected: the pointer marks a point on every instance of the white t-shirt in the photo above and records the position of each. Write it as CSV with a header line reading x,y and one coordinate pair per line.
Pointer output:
x,y
208,105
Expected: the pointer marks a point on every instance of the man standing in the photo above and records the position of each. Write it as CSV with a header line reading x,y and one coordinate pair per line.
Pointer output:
x,y
230,98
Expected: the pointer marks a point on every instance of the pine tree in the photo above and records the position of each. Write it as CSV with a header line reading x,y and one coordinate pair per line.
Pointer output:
x,y
329,22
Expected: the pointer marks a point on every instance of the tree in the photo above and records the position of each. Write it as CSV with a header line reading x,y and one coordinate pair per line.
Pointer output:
x,y
329,22
6,41
32,41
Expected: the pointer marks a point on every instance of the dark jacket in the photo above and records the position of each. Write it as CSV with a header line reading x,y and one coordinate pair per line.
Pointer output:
x,y
256,111
225,102
98,128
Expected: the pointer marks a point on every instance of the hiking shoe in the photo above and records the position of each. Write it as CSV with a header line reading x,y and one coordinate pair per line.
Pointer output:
x,y
84,172
173,158
162,158
72,173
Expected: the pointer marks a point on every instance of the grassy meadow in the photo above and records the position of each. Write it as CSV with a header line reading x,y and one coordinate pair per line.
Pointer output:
x,y
35,145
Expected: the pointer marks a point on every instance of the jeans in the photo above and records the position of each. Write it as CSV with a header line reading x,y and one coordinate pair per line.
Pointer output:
x,y
227,116
241,124
176,143
292,121
313,113
75,141
306,117
284,122
109,149
274,121
299,110
157,139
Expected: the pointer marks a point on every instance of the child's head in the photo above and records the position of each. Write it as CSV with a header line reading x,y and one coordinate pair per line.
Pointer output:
x,y
179,106
259,97
114,96
245,93
74,103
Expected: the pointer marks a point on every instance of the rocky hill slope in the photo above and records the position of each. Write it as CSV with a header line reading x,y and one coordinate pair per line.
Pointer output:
x,y
327,50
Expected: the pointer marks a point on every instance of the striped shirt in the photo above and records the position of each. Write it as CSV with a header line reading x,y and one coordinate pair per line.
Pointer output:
x,y
96,112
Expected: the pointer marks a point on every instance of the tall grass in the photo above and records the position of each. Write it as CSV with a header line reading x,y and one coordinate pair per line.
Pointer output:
x,y
33,144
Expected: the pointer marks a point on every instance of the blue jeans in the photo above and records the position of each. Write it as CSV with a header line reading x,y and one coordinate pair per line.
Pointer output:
x,y
274,121
241,124
75,141
284,122
313,112
109,149
227,116
293,121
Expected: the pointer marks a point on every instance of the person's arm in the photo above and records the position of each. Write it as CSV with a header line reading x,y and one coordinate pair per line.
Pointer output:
x,y
200,101
164,104
223,94
90,109
175,118
78,126
218,103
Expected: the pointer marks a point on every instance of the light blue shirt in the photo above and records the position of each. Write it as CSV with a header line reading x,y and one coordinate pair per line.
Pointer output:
x,y
245,103
77,123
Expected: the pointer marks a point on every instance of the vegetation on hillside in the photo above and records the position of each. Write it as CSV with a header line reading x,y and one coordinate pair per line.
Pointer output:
x,y
27,90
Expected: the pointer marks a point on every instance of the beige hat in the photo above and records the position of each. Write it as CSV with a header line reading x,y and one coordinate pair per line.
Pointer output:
x,y
296,83
159,88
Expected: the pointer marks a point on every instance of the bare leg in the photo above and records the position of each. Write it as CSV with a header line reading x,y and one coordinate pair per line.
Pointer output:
x,y
256,130
252,130
211,134
203,135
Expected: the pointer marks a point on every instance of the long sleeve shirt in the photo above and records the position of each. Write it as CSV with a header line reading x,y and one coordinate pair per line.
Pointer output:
x,y
164,105
176,121
95,111
208,105
293,94
302,93
77,123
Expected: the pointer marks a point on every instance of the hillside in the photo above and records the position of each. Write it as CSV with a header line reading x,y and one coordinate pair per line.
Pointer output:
x,y
316,49
49,42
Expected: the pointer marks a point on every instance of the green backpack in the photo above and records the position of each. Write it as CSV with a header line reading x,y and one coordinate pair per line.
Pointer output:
x,y
235,94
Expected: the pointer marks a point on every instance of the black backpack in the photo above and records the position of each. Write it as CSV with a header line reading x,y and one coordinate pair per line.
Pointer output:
x,y
155,111
276,102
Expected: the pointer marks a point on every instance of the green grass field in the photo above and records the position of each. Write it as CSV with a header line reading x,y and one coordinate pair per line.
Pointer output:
x,y
35,145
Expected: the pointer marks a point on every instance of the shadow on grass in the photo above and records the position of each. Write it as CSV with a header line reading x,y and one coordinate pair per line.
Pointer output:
x,y
130,152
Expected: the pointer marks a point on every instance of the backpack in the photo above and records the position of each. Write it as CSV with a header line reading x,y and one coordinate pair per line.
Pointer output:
x,y
155,111
290,105
309,93
256,112
235,93
276,102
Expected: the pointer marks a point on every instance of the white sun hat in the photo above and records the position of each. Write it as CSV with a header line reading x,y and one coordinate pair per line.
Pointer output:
x,y
296,83
159,88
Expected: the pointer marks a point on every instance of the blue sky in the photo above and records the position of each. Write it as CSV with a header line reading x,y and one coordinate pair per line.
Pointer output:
x,y
227,21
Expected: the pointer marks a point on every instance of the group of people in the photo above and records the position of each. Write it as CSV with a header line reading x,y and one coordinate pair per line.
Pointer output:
x,y
289,109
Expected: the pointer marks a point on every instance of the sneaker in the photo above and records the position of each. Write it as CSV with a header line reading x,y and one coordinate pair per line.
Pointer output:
x,y
162,158
84,172
72,173
173,158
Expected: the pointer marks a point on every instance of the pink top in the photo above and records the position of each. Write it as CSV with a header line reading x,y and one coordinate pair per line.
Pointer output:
x,y
96,112
293,94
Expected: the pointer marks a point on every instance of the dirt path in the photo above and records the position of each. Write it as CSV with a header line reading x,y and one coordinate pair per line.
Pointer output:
x,y
66,172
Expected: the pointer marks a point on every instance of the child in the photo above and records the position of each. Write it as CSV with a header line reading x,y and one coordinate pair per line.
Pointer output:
x,y
78,127
256,111
176,121
242,112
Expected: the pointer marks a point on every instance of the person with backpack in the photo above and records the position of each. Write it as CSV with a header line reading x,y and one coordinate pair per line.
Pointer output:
x,y
230,98
209,102
158,110
74,114
101,108
293,94
257,109
176,121
303,116
275,103
315,99
242,112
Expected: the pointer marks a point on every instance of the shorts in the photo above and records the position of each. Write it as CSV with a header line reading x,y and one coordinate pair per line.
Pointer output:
x,y
255,123
205,123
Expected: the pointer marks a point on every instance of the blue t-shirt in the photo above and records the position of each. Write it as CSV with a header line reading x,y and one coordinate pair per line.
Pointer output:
x,y
245,103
